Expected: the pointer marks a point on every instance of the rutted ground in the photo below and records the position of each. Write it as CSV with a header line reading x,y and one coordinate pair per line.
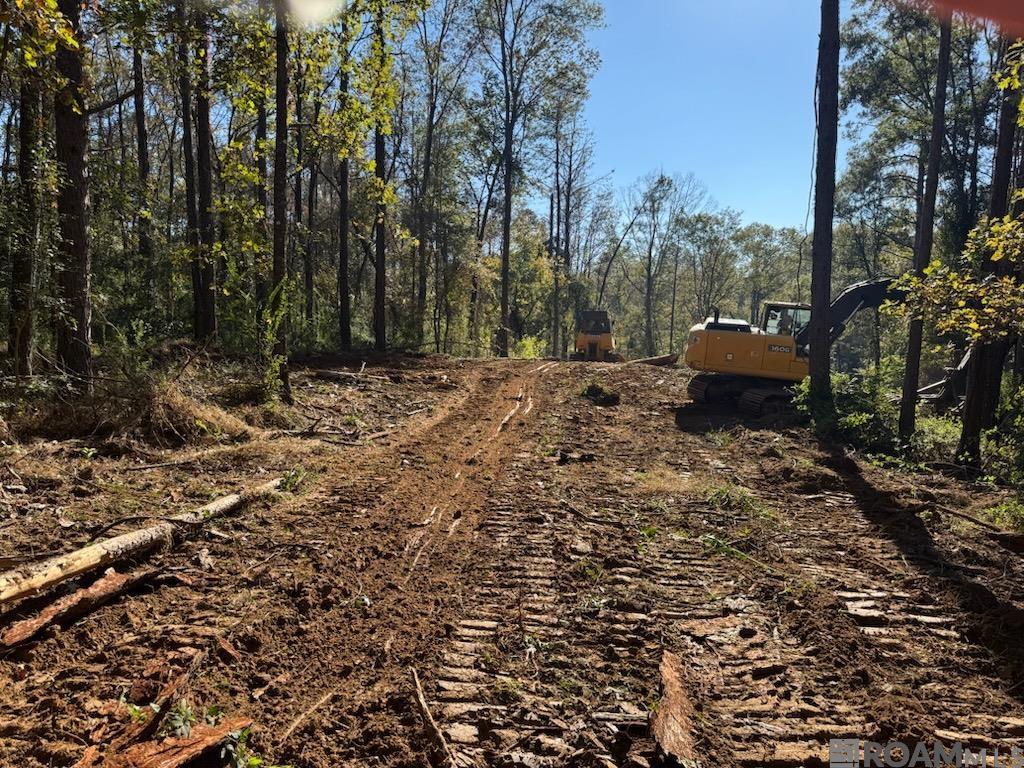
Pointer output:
x,y
532,555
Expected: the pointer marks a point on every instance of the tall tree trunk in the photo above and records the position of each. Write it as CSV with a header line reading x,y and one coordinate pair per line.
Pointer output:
x,y
822,404
261,285
984,372
675,292
566,225
649,307
204,159
280,270
422,205
71,133
24,255
926,232
380,243
508,166
145,220
344,218
344,256
309,252
556,300
380,255
189,158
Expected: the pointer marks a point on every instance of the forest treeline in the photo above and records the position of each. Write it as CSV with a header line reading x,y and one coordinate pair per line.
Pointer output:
x,y
419,175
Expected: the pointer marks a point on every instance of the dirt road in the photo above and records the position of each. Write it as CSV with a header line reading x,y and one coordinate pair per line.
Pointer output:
x,y
532,555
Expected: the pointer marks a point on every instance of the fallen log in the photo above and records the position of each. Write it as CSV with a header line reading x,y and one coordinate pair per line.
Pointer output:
x,y
662,360
347,376
172,753
30,580
107,587
672,724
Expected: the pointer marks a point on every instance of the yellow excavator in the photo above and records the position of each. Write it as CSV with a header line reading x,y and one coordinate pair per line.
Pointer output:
x,y
758,365
594,340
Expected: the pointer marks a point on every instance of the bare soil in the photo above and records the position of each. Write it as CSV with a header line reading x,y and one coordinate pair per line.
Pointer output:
x,y
531,554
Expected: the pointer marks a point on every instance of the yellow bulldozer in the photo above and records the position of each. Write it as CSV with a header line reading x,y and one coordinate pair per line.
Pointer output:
x,y
757,365
594,339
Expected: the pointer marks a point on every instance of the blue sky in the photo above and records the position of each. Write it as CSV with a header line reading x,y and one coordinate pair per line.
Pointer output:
x,y
722,88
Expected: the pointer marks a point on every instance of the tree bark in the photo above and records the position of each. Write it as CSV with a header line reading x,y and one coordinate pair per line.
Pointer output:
x,y
189,158
380,246
204,157
24,256
556,300
261,285
422,265
344,256
280,271
74,257
926,232
145,220
309,253
508,165
822,404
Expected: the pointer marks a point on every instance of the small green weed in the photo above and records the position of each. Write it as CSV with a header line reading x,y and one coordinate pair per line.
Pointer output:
x,y
507,690
292,479
734,498
180,720
236,752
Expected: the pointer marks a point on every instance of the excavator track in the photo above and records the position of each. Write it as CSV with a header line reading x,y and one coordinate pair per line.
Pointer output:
x,y
710,388
762,401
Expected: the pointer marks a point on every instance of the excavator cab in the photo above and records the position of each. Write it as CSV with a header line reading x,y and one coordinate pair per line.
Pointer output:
x,y
594,340
784,319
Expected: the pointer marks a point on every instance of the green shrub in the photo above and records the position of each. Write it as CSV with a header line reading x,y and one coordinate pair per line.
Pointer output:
x,y
1003,447
529,348
866,414
1009,515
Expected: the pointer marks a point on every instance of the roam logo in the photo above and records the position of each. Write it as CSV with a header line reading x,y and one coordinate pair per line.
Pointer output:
x,y
852,753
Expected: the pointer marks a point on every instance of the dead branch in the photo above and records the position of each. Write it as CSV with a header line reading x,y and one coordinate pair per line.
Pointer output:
x,y
305,714
440,743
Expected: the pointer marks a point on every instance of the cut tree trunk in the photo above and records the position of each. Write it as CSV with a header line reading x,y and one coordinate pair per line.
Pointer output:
x,y
30,580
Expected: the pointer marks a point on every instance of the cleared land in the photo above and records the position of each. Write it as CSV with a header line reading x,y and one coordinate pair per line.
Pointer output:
x,y
532,556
